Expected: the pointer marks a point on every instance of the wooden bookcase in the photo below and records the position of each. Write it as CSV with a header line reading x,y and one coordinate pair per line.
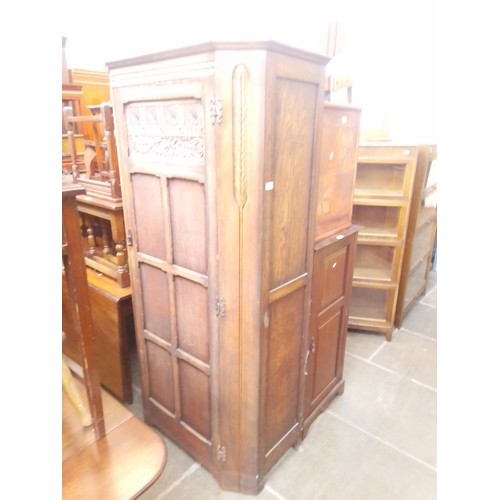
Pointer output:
x,y
219,155
421,233
383,189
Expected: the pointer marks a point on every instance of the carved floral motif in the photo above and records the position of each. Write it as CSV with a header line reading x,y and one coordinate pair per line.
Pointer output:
x,y
166,130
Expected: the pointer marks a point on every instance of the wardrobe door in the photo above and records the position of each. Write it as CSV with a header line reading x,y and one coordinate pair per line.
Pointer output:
x,y
166,157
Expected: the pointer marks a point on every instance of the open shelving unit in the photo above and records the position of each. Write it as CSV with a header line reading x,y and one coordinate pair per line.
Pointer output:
x,y
383,191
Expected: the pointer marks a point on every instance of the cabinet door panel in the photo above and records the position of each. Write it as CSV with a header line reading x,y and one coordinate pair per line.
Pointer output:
x,y
333,277
292,174
327,341
160,373
149,217
187,214
331,293
195,399
192,318
165,166
155,293
283,368
339,146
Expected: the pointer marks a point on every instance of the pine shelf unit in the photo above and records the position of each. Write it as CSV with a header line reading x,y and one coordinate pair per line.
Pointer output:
x,y
383,190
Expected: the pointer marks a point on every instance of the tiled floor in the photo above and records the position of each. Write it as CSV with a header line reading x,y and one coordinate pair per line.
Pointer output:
x,y
376,441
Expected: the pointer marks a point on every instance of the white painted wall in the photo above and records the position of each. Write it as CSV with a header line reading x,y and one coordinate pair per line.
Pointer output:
x,y
387,46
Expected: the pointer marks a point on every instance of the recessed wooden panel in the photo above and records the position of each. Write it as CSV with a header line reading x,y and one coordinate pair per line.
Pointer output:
x,y
155,303
327,348
187,215
149,214
333,273
283,372
338,157
334,210
195,399
160,372
422,243
416,282
191,302
293,149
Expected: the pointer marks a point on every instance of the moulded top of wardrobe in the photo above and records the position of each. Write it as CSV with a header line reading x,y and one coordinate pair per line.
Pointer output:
x,y
397,144
207,47
341,105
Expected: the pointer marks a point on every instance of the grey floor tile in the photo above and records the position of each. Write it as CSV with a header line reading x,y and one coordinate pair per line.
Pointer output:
x,y
422,319
411,355
136,406
430,298
200,485
338,461
179,463
363,344
431,280
390,407
375,442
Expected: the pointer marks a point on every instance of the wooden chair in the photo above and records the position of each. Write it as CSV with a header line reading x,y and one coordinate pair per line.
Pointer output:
x,y
100,175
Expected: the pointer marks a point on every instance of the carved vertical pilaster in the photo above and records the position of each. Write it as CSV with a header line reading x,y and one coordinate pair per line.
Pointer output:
x,y
240,126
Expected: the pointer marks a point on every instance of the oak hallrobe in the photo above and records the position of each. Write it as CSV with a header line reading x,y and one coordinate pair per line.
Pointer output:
x,y
218,151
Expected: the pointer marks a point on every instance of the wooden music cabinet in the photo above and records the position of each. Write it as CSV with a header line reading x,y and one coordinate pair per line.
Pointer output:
x,y
334,252
219,155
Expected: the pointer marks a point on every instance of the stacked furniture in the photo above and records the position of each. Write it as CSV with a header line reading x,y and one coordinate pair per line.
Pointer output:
x,y
383,197
89,157
219,155
334,251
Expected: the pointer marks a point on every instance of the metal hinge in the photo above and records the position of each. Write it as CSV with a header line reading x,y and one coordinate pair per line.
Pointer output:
x,y
216,111
221,453
129,238
220,307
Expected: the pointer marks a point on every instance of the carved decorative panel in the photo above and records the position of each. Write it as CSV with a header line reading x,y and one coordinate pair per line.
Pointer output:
x,y
166,130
